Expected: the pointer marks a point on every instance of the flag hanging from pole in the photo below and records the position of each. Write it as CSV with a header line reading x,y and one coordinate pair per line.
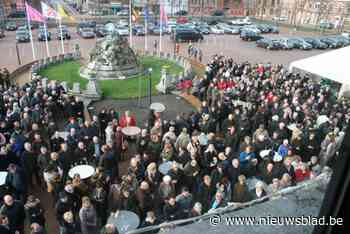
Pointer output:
x,y
62,13
163,16
135,15
49,12
33,14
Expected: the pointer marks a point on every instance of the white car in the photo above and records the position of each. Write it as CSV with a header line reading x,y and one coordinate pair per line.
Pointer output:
x,y
216,30
122,31
123,13
245,21
123,23
229,29
280,18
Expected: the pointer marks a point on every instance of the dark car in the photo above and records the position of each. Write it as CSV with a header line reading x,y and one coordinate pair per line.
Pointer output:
x,y
269,44
101,31
43,36
86,33
218,13
316,43
331,43
181,13
247,35
138,30
182,35
65,33
326,25
86,24
273,29
263,28
17,14
22,35
11,26
203,30
343,40
286,43
300,44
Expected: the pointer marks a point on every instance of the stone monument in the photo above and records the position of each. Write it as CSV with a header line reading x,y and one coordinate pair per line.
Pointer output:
x,y
112,58
164,83
93,90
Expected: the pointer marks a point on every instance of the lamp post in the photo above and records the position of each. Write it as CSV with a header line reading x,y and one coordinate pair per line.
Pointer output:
x,y
150,84
18,56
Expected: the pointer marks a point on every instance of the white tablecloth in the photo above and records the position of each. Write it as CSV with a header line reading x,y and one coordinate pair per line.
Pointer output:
x,y
85,171
157,107
3,175
131,131
125,221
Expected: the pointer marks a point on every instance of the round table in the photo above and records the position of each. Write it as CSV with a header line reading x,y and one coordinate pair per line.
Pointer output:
x,y
131,131
165,167
157,107
124,220
85,171
3,175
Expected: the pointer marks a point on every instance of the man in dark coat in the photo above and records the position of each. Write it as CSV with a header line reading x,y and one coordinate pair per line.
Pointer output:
x,y
15,212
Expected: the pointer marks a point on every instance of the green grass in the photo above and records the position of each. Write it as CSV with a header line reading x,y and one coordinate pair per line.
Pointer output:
x,y
119,89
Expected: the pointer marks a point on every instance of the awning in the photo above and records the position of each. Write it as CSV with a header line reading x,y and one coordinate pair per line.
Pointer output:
x,y
333,65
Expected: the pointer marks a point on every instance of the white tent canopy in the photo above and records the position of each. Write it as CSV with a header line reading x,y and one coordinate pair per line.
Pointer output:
x,y
333,65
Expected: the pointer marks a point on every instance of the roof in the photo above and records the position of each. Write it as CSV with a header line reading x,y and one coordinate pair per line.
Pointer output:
x,y
333,65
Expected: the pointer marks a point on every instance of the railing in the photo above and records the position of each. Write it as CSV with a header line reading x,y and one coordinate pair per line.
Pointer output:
x,y
321,180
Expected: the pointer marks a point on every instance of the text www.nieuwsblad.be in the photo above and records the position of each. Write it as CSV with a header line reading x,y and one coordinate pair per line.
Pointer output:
x,y
216,220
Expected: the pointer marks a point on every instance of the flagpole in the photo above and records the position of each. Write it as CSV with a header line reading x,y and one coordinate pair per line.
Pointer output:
x,y
30,36
60,25
46,41
145,17
130,24
160,26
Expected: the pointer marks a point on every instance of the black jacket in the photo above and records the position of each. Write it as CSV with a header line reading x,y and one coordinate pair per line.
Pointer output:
x,y
15,213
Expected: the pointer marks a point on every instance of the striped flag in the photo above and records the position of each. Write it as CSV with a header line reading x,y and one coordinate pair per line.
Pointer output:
x,y
33,14
49,12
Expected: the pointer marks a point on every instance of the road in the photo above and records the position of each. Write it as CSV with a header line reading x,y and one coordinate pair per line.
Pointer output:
x,y
229,45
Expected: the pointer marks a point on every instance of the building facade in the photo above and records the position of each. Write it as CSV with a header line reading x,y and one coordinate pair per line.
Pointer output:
x,y
208,7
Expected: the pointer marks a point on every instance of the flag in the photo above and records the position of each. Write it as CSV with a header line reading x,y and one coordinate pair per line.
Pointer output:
x,y
48,12
135,15
163,16
63,13
33,14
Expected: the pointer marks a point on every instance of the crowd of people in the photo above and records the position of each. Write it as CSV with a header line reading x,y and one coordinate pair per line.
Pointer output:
x,y
256,121
194,52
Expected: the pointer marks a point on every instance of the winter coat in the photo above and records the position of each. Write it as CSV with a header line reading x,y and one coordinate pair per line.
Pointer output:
x,y
88,220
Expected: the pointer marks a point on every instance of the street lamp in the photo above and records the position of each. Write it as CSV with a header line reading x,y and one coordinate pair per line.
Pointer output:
x,y
150,84
18,56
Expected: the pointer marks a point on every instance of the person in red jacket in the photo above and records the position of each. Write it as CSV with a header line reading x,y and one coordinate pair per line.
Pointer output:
x,y
222,85
302,173
127,120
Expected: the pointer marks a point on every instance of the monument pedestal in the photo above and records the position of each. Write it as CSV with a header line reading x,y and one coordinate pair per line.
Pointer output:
x,y
93,90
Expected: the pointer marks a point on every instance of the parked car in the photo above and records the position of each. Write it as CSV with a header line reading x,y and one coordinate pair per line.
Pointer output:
x,y
316,43
247,35
245,21
44,36
286,43
138,30
330,42
300,44
228,29
122,31
272,28
181,13
124,12
87,33
252,27
269,44
65,33
22,35
263,28
11,26
17,14
216,30
344,40
218,13
101,31
326,25
280,18
183,34
203,30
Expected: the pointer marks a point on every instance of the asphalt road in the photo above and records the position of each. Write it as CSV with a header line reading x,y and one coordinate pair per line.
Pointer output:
x,y
229,45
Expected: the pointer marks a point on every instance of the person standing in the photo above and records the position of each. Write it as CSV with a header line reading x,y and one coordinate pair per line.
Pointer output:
x,y
15,212
155,45
88,217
